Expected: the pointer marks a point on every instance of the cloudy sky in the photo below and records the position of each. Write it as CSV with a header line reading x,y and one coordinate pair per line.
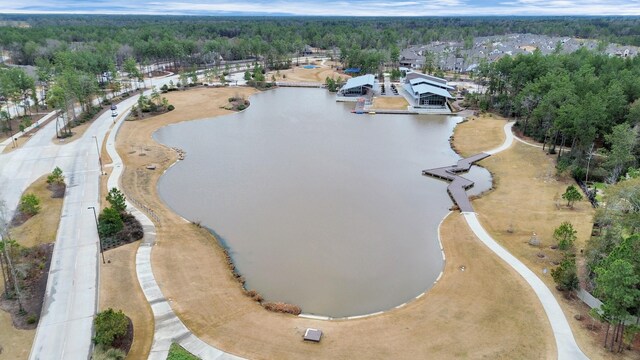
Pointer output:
x,y
328,8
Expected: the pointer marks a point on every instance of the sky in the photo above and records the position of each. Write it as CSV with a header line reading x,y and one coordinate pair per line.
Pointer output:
x,y
327,8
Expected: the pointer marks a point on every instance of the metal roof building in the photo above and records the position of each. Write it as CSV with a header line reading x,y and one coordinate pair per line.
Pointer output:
x,y
427,92
358,86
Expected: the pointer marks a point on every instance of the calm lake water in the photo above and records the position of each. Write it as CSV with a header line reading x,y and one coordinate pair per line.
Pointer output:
x,y
319,207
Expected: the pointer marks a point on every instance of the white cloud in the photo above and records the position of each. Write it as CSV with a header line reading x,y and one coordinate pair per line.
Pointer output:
x,y
331,7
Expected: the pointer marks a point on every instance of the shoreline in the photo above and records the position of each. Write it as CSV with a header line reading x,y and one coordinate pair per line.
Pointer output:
x,y
226,248
414,310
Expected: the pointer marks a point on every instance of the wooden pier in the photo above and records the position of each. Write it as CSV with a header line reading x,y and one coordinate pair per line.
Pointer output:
x,y
459,185
300,84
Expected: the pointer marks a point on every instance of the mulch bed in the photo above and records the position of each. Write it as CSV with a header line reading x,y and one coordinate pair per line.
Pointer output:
x,y
36,261
57,190
124,343
131,232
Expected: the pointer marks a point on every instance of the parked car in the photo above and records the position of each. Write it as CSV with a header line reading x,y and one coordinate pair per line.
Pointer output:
x,y
113,107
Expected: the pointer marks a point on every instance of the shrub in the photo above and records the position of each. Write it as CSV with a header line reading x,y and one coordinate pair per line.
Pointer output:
x,y
109,222
565,274
117,200
565,235
132,229
254,295
103,353
110,326
572,195
29,204
56,177
32,319
283,308
170,108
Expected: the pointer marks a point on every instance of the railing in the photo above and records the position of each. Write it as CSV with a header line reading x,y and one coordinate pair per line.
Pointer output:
x,y
143,207
591,194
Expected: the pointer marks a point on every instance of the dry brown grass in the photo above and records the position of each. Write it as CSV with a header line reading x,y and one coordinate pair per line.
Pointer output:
x,y
478,134
14,343
390,103
485,311
39,229
300,74
119,289
527,199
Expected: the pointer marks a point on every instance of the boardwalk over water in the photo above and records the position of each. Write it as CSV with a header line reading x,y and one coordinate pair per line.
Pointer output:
x,y
459,185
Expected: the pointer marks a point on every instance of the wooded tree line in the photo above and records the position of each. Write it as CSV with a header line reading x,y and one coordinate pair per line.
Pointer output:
x,y
202,39
581,102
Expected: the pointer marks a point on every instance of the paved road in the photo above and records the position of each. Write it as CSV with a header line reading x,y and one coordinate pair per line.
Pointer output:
x,y
565,342
65,327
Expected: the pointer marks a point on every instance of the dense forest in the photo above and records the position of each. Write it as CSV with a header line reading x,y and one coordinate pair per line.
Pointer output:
x,y
204,39
585,108
583,101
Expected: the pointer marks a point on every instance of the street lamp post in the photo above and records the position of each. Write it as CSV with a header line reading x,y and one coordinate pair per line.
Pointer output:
x,y
98,229
99,157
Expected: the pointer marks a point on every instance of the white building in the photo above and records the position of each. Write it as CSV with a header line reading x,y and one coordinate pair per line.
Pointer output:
x,y
427,92
365,85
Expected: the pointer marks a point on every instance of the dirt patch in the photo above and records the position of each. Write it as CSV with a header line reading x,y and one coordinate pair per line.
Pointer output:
x,y
461,316
390,103
300,74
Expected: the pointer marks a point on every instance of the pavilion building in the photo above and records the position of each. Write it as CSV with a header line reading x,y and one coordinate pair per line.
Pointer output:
x,y
365,85
427,92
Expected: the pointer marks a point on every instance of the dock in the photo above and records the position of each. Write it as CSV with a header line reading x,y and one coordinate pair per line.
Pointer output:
x,y
458,186
300,84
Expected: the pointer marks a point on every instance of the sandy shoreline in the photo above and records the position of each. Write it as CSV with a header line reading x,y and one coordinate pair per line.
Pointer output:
x,y
190,267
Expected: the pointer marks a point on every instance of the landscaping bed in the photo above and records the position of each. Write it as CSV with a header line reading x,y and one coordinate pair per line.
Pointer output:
x,y
32,266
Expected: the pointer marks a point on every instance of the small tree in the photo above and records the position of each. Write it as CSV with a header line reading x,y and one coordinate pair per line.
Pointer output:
x,y
109,222
117,200
565,274
565,235
572,195
29,204
56,177
247,75
110,326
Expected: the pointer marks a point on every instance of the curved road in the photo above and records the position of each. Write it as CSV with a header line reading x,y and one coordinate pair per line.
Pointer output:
x,y
71,297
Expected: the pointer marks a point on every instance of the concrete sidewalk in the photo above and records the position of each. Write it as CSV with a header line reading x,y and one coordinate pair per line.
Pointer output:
x,y
566,345
168,327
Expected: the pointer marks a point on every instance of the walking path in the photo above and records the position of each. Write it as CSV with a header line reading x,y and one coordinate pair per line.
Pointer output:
x,y
565,342
168,327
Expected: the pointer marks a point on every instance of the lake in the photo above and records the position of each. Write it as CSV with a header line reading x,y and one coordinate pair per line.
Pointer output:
x,y
317,206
